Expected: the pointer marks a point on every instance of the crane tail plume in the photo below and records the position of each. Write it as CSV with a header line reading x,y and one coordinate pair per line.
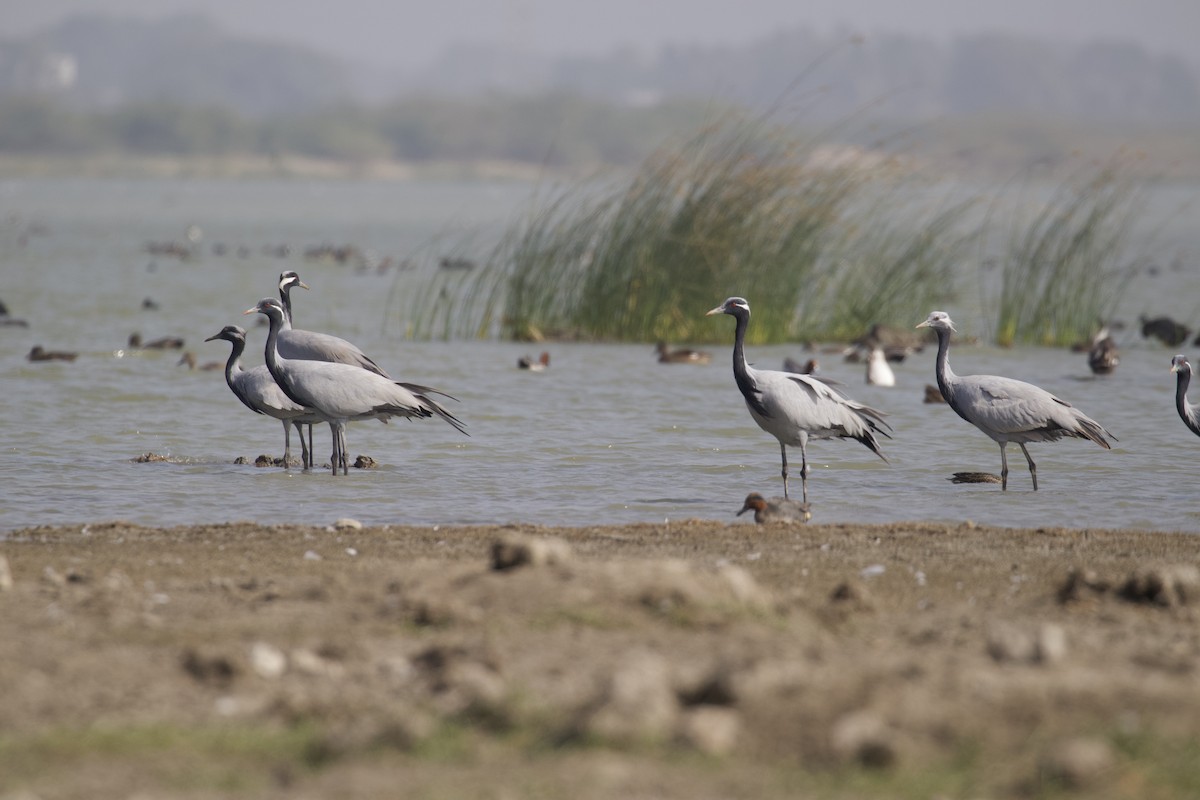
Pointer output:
x,y
1092,430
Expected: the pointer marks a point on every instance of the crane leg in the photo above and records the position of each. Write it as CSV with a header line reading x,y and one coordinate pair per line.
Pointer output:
x,y
1032,466
305,453
783,457
336,457
310,448
1003,467
287,442
804,471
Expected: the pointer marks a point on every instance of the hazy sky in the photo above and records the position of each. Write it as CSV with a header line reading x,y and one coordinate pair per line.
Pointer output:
x,y
404,33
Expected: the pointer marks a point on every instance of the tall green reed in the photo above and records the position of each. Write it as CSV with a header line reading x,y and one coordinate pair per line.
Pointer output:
x,y
821,247
1060,272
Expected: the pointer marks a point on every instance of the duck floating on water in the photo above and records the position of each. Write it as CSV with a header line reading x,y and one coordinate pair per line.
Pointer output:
x,y
681,356
164,343
540,365
39,353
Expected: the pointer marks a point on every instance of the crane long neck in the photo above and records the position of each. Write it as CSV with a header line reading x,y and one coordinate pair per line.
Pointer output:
x,y
233,365
276,363
1187,414
285,299
945,375
271,353
740,372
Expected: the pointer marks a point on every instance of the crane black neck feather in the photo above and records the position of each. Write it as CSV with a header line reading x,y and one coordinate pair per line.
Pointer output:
x,y
235,355
285,299
272,357
232,366
1189,414
741,374
945,375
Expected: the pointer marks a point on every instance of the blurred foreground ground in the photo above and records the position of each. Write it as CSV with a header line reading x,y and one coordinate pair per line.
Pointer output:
x,y
695,660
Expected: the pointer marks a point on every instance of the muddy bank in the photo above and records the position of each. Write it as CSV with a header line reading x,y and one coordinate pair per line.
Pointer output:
x,y
689,660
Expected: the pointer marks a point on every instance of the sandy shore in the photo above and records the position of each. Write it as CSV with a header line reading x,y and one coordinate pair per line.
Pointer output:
x,y
690,660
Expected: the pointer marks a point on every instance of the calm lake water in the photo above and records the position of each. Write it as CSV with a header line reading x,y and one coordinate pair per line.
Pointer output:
x,y
606,435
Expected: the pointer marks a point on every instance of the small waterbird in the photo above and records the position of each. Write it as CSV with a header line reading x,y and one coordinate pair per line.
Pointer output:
x,y
777,509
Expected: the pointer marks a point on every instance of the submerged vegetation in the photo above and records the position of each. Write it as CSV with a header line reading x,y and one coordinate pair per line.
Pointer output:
x,y
822,243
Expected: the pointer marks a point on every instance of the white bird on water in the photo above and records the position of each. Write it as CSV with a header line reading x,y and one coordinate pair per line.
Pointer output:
x,y
879,372
794,408
1008,410
258,391
339,393
1189,413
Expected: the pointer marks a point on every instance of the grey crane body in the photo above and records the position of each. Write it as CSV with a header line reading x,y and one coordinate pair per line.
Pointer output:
x,y
1189,413
339,393
257,390
307,345
795,408
314,346
1008,410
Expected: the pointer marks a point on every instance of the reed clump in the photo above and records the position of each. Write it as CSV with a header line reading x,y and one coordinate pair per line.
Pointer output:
x,y
822,243
1061,273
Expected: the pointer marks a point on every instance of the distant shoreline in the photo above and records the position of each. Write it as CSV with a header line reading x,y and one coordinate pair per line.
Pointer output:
x,y
245,167
1169,158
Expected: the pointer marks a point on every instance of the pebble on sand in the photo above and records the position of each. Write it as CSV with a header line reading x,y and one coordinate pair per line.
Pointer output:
x,y
864,737
518,550
637,705
1078,763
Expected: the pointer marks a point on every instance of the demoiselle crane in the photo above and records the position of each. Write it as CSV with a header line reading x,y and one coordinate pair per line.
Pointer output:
x,y
258,392
339,393
793,407
312,345
307,345
1008,410
1189,413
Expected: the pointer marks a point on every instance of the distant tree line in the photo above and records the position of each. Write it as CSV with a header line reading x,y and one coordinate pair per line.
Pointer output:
x,y
555,131
98,61
830,77
183,86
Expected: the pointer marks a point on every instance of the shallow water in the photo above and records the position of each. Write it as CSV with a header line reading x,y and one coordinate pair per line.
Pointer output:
x,y
606,435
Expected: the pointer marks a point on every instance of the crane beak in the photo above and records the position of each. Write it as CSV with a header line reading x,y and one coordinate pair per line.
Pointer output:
x,y
250,311
718,310
302,284
924,324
